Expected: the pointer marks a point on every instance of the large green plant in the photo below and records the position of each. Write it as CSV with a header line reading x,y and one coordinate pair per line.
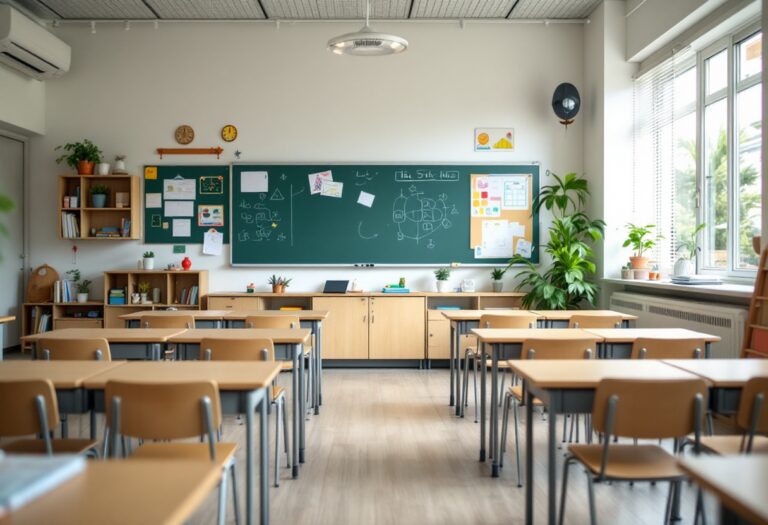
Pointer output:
x,y
6,206
566,283
77,151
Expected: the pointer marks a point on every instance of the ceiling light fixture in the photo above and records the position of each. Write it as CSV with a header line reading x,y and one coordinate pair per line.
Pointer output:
x,y
367,42
93,27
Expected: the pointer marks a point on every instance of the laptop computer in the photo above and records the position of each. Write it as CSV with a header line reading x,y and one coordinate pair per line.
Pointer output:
x,y
336,286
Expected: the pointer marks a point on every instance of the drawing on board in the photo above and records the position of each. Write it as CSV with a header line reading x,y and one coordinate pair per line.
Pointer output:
x,y
211,185
418,216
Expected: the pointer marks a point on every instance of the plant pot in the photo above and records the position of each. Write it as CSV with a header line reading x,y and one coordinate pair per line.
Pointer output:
x,y
627,274
498,286
443,286
278,288
85,167
144,298
638,263
683,268
149,263
641,274
756,244
103,168
99,200
82,297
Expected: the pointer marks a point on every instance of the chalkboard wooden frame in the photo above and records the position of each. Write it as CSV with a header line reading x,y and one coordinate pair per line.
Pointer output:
x,y
298,172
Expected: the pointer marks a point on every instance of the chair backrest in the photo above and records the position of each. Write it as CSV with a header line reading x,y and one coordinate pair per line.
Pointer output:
x,y
508,321
28,407
649,409
161,411
648,348
96,349
272,321
584,348
237,350
595,321
168,321
752,415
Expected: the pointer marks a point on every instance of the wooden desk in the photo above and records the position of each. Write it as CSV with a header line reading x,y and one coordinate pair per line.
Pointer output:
x,y
135,491
739,482
203,318
461,322
727,377
617,342
568,387
124,343
561,318
506,343
3,321
243,386
67,378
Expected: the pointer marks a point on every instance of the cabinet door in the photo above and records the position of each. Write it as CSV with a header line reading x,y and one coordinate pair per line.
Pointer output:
x,y
439,339
397,328
345,332
235,303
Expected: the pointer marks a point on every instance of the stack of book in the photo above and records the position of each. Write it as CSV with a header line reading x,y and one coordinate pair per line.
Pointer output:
x,y
70,229
125,226
64,292
43,324
116,296
189,296
108,231
395,289
696,279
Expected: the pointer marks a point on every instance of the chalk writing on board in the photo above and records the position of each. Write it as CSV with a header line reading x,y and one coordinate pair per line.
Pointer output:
x,y
426,175
262,220
363,177
364,236
418,216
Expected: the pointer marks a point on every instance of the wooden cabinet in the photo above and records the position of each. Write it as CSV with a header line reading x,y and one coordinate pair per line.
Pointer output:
x,y
396,328
119,219
235,303
438,335
345,331
42,317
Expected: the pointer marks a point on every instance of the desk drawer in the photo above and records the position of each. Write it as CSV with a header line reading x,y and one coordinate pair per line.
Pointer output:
x,y
235,303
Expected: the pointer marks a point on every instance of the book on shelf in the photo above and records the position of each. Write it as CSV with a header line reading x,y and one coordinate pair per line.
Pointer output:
x,y
69,225
125,227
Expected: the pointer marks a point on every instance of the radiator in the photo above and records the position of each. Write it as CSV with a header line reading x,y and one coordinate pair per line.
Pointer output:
x,y
725,321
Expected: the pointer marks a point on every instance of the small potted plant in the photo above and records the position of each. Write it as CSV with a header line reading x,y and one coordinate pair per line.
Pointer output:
x,y
639,239
143,291
81,156
119,168
688,248
279,284
441,276
496,275
81,284
626,271
99,194
149,260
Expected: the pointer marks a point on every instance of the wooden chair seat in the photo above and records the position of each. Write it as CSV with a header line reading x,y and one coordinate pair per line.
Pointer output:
x,y
730,445
277,391
502,365
630,462
516,391
60,446
202,451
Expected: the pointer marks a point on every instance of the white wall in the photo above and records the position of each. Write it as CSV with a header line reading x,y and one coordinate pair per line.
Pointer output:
x,y
22,103
293,101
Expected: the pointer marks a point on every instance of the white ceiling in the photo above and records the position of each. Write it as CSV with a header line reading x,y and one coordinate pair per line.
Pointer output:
x,y
306,9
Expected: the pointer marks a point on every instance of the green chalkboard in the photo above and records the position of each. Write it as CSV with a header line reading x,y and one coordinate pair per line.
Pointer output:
x,y
420,214
209,203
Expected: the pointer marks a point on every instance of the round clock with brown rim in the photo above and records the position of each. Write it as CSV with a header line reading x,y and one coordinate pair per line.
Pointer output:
x,y
184,134
229,133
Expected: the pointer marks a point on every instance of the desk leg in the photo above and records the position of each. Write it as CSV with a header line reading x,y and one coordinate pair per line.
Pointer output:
x,y
302,401
481,348
250,458
450,361
707,350
318,365
554,409
494,425
529,457
297,415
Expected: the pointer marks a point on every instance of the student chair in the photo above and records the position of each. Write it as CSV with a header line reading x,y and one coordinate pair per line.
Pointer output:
x,y
96,349
583,348
473,352
30,407
649,348
630,408
253,350
595,321
160,412
168,321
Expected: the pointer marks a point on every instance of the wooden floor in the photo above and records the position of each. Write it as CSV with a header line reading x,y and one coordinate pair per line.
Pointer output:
x,y
387,449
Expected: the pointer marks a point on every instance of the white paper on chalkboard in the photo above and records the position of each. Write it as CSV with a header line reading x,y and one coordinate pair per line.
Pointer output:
x,y
213,243
523,247
179,189
154,200
182,228
254,182
316,181
366,199
332,189
179,209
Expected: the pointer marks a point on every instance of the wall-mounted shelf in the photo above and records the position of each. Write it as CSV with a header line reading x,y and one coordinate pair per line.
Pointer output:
x,y
190,151
84,218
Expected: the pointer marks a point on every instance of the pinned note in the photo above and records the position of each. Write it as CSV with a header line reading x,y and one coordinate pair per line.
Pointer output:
x,y
316,181
150,172
154,200
523,247
179,209
179,189
182,228
366,199
213,242
254,182
332,189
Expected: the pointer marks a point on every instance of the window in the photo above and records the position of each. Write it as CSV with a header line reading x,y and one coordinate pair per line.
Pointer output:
x,y
698,124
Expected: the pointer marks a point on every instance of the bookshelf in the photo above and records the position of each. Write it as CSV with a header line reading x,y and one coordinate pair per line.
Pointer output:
x,y
174,285
85,218
61,315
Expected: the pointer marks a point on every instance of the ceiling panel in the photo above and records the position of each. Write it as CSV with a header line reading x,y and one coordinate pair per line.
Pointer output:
x,y
554,8
335,9
98,9
461,8
207,9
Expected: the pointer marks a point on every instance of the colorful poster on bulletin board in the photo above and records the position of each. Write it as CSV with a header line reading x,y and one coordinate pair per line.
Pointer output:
x,y
182,203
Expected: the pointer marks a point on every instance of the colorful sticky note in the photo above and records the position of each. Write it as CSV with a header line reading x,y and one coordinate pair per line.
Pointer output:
x,y
476,204
485,194
475,194
150,172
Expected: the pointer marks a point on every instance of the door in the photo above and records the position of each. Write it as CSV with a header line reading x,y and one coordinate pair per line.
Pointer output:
x,y
345,332
397,328
12,244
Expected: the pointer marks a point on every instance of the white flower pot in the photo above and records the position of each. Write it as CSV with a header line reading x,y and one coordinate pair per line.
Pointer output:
x,y
443,286
684,267
103,168
82,297
149,263
498,286
144,299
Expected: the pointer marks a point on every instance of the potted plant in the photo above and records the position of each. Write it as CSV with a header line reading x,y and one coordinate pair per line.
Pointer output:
x,y
565,283
442,275
279,284
143,291
496,275
82,285
640,240
6,206
81,156
626,271
99,194
149,260
688,248
119,168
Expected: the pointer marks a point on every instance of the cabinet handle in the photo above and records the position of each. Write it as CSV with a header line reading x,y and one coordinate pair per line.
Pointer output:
x,y
373,319
364,318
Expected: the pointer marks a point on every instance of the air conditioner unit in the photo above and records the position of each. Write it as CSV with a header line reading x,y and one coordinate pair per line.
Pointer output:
x,y
29,48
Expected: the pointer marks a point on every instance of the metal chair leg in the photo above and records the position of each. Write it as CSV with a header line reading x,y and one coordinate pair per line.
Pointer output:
x,y
464,384
591,490
563,492
278,413
223,499
235,500
515,407
476,366
504,425
668,506
501,389
286,440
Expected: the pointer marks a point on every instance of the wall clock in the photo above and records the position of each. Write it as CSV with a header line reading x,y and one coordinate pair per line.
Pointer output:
x,y
184,134
229,133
